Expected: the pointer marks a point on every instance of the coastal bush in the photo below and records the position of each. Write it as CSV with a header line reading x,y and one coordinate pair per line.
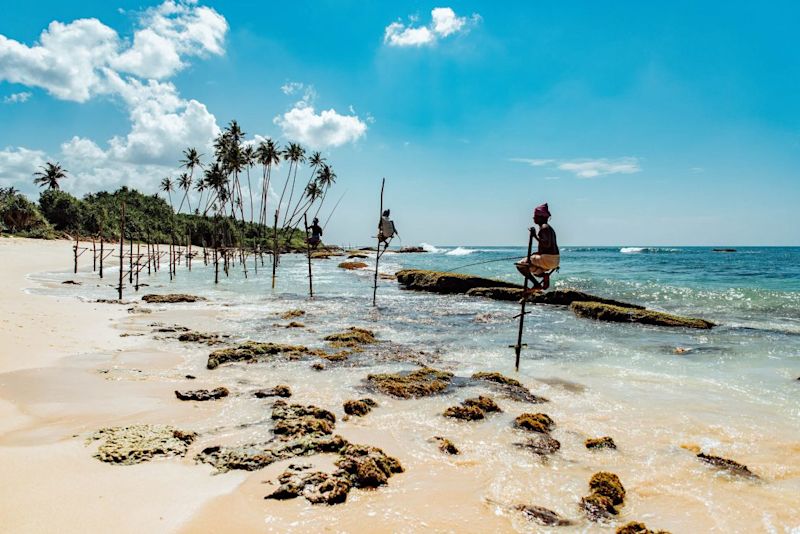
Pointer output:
x,y
65,212
18,215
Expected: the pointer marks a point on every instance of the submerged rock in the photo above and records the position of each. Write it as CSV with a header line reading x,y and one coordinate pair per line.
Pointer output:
x,y
600,443
353,265
171,298
410,250
277,391
606,494
465,413
485,404
543,516
535,422
292,314
732,467
419,383
635,527
139,443
619,314
202,394
352,337
359,407
292,324
509,387
446,446
439,282
252,351
543,445
254,456
199,337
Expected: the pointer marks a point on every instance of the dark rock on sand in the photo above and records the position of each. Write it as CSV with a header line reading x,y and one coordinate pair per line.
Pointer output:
x,y
190,377
359,407
139,443
543,445
253,351
172,298
71,282
535,422
317,487
606,494
202,394
352,337
509,387
419,383
277,391
730,466
367,467
600,443
297,420
446,446
635,527
200,337
357,256
543,516
619,314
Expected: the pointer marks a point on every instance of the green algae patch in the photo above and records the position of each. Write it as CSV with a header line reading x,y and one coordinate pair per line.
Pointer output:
x,y
352,337
422,382
534,422
606,442
253,351
620,314
135,444
359,407
171,298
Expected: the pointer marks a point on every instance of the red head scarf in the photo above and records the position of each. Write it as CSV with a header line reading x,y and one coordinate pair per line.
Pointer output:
x,y
542,211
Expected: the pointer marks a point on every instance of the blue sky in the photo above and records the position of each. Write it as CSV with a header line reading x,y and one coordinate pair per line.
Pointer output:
x,y
639,122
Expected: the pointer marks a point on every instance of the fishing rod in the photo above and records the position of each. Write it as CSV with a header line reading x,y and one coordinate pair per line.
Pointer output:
x,y
481,263
333,210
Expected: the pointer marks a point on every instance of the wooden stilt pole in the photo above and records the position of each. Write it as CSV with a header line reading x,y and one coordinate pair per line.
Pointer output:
x,y
130,260
216,265
189,254
308,253
75,255
275,250
524,301
138,261
378,251
94,255
101,252
121,250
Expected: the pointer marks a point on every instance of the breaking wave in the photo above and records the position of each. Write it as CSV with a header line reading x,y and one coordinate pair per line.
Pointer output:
x,y
429,248
459,251
648,250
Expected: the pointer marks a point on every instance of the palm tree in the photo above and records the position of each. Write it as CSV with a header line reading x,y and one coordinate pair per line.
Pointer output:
x,y
191,159
249,159
325,179
185,183
166,186
294,154
200,187
268,154
50,175
314,162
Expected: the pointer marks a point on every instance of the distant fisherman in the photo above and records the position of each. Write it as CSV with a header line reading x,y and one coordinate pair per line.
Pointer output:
x,y
386,228
547,256
316,233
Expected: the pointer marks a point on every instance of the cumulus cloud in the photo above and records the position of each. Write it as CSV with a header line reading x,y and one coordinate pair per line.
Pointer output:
x,y
320,130
83,59
17,98
587,168
18,164
444,22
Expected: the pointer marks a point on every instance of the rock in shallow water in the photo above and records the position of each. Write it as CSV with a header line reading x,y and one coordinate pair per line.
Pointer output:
x,y
277,391
605,442
619,314
543,445
606,494
202,394
253,351
418,383
509,387
172,298
535,422
359,407
139,443
730,466
352,337
635,527
446,446
543,516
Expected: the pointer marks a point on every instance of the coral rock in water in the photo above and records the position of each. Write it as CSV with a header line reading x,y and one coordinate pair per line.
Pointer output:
x,y
419,383
368,467
352,337
253,351
598,507
139,443
172,298
202,394
542,445
509,387
535,422
466,413
734,468
277,391
292,314
446,446
359,407
620,314
600,443
352,265
199,337
635,527
543,516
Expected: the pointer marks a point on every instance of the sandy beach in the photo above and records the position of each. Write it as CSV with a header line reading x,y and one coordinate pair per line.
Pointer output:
x,y
70,367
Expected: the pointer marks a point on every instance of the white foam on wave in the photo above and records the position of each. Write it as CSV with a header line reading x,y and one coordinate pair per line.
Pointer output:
x,y
639,250
429,248
459,251
631,250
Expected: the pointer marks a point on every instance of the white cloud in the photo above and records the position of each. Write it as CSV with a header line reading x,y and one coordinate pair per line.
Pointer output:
x,y
17,166
444,23
588,168
17,98
320,130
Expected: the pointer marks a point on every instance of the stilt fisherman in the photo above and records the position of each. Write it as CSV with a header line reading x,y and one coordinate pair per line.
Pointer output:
x,y
547,258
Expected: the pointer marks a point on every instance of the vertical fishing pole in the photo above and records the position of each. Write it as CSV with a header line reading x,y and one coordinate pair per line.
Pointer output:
x,y
378,250
121,250
519,345
275,249
308,253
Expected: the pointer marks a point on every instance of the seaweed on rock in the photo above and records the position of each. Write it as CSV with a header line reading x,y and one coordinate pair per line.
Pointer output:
x,y
359,407
606,442
534,422
446,446
509,387
139,443
252,351
543,516
620,314
421,382
352,337
172,298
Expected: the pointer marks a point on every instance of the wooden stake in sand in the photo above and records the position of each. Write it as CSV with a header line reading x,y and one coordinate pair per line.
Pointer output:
x,y
275,250
121,250
101,252
378,250
75,254
308,253
522,313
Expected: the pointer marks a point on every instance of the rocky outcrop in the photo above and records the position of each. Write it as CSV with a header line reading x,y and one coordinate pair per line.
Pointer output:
x,y
729,466
292,314
277,391
172,298
446,446
253,351
139,443
543,516
202,394
600,443
534,422
606,493
352,337
254,456
508,387
317,487
422,382
200,337
352,265
620,314
410,250
438,282
359,407
557,297
542,444
472,409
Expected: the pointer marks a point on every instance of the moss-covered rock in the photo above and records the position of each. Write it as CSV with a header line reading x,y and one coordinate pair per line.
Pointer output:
x,y
367,467
465,413
446,446
543,516
497,378
253,351
359,407
534,422
509,387
485,404
139,443
352,337
292,314
609,485
543,444
202,394
278,391
422,382
254,456
729,466
635,527
353,265
172,298
606,442
439,282
619,314
200,337
598,507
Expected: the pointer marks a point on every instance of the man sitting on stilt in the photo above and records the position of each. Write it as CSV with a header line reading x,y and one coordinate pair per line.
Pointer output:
x,y
386,230
546,259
